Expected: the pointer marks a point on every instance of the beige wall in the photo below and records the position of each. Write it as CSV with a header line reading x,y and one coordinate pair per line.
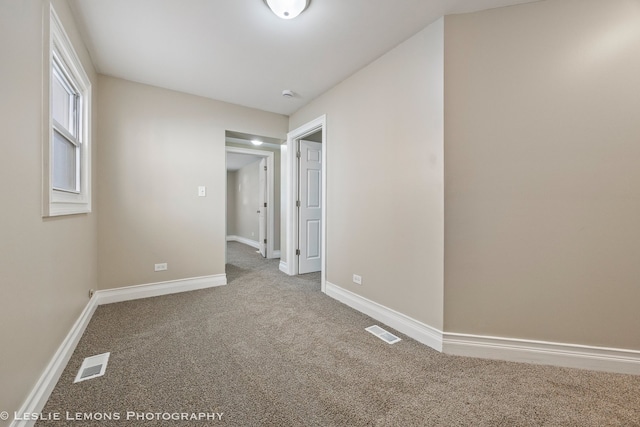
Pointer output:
x,y
161,145
542,172
47,266
385,177
247,195
232,178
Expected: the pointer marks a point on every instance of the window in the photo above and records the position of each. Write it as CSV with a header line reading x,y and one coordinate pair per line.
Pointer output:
x,y
67,145
67,173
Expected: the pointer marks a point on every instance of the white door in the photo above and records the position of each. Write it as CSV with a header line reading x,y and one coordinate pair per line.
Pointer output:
x,y
262,209
310,212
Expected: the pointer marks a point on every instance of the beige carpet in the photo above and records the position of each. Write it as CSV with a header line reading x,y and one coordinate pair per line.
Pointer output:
x,y
271,350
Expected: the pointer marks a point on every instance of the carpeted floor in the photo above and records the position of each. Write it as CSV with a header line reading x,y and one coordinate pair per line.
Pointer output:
x,y
272,350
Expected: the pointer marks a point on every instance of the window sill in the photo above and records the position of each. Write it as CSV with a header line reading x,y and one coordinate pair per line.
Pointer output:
x,y
61,209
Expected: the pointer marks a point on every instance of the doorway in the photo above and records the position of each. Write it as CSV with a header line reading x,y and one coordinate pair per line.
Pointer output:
x,y
260,199
305,186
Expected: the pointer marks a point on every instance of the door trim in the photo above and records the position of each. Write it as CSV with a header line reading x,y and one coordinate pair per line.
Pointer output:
x,y
269,155
292,190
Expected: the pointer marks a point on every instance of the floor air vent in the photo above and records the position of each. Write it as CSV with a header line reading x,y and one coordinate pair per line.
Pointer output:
x,y
385,336
93,367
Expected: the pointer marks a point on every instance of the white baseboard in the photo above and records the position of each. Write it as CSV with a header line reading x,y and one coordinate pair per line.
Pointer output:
x,y
239,239
276,254
283,267
47,381
515,350
40,393
128,293
544,353
413,328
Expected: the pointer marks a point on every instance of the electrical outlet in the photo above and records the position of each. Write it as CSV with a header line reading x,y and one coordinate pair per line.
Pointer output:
x,y
357,279
160,267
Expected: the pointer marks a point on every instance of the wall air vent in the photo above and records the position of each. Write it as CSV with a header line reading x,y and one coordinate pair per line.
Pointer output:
x,y
93,367
385,336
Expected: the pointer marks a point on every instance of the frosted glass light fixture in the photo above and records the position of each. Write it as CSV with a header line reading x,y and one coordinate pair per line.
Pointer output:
x,y
287,9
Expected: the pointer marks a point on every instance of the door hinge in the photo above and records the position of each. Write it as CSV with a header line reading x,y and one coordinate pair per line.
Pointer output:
x,y
297,251
265,204
298,154
265,241
297,203
265,168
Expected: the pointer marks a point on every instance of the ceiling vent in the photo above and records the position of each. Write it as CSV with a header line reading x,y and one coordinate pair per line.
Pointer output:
x,y
385,336
92,367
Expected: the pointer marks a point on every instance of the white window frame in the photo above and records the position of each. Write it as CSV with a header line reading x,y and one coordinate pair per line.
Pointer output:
x,y
58,202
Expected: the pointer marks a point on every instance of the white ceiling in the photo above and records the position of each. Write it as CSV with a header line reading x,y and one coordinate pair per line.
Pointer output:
x,y
237,161
238,51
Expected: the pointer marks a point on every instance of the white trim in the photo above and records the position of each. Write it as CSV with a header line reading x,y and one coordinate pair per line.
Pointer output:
x,y
415,329
240,239
42,390
283,267
543,352
290,188
271,220
128,293
276,254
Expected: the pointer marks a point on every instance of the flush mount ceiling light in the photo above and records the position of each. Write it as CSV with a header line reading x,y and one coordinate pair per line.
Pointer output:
x,y
256,142
287,9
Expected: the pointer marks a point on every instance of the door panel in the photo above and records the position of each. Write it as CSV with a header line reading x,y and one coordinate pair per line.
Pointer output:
x,y
313,239
310,213
313,188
